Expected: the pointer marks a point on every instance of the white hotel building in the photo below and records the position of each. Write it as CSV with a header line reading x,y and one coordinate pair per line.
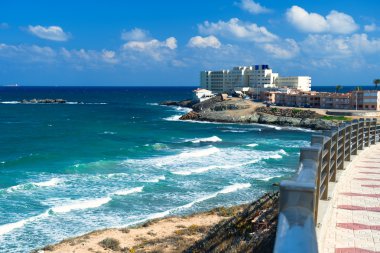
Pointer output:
x,y
257,77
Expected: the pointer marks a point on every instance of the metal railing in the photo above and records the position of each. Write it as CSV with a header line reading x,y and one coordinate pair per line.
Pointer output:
x,y
319,164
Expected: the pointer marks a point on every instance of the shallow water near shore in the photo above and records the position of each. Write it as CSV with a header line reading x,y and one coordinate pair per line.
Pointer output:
x,y
119,158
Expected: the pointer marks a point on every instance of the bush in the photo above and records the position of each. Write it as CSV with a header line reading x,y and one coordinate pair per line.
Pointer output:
x,y
110,243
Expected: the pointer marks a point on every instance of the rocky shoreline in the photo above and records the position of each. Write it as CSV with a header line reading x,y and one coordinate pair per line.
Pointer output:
x,y
236,110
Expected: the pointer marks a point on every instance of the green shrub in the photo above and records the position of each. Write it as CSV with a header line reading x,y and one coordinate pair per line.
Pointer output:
x,y
110,243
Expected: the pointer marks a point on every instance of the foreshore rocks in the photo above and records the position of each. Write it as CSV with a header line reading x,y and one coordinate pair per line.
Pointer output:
x,y
43,101
236,110
184,103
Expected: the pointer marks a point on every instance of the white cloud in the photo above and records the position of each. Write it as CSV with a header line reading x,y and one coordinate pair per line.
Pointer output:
x,y
136,34
27,53
336,47
55,33
236,29
370,28
203,42
253,7
154,48
335,22
287,49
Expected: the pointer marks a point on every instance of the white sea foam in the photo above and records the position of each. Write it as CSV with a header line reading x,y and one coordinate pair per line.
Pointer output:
x,y
152,103
10,102
234,131
51,182
225,190
252,145
154,179
6,228
199,153
173,118
209,139
212,167
128,191
81,205
109,132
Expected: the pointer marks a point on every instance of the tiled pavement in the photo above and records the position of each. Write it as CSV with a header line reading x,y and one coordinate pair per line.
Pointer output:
x,y
355,220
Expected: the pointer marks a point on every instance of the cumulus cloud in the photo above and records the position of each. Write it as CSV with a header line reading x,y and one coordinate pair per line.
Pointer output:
x,y
329,46
204,42
27,53
334,22
54,33
236,29
286,49
135,34
154,48
370,28
253,7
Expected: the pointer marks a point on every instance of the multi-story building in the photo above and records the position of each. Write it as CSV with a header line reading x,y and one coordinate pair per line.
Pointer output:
x,y
258,77
365,100
360,100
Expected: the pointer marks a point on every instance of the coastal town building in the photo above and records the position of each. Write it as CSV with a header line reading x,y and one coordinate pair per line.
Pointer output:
x,y
200,95
360,100
258,77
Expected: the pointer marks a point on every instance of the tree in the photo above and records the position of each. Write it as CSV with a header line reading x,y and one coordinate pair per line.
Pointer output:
x,y
338,88
376,82
358,88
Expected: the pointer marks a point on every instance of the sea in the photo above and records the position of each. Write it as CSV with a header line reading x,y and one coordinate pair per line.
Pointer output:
x,y
114,157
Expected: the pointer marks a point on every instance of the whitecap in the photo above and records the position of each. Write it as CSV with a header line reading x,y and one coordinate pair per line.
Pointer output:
x,y
51,182
209,139
128,191
199,153
109,132
252,145
10,102
6,228
81,205
154,179
152,103
173,118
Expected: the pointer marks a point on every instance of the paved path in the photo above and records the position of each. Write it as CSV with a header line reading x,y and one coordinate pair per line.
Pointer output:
x,y
355,222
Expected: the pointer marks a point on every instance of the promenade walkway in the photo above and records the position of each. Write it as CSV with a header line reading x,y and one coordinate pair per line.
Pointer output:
x,y
354,225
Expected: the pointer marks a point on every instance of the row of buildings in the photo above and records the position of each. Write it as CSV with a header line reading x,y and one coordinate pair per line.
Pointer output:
x,y
261,83
354,100
258,78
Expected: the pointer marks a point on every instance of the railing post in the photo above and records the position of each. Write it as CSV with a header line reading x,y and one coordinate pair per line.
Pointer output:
x,y
373,131
367,132
348,141
323,170
361,135
333,136
298,205
354,136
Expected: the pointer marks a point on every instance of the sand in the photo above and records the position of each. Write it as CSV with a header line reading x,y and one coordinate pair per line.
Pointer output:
x,y
172,234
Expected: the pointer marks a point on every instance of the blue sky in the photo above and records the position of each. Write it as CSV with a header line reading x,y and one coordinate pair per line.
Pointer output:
x,y
168,42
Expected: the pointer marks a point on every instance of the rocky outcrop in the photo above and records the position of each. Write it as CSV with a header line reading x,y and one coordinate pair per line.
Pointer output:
x,y
43,101
183,103
286,112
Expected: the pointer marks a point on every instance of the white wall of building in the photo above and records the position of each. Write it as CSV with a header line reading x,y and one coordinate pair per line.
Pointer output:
x,y
258,76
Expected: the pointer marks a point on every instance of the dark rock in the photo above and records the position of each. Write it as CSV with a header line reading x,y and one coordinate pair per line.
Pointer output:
x,y
184,103
190,116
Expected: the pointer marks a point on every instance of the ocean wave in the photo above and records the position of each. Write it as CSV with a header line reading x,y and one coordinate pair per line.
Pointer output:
x,y
209,139
199,153
152,104
212,167
173,118
157,146
225,190
80,205
10,102
27,186
6,228
109,132
235,131
154,179
252,145
128,191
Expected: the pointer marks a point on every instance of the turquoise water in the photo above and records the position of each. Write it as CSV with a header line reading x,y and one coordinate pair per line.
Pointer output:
x,y
118,158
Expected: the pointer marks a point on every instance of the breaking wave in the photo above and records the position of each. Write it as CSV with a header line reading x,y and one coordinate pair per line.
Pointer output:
x,y
209,139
